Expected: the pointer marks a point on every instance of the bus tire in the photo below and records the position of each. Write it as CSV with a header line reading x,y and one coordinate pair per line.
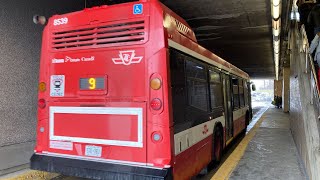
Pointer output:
x,y
247,118
217,145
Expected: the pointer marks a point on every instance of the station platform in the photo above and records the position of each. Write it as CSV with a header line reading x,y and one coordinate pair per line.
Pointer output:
x,y
266,152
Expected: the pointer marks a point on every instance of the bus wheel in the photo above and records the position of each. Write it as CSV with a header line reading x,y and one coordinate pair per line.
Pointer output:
x,y
218,145
247,118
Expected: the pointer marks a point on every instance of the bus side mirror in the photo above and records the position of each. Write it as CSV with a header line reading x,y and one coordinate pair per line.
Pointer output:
x,y
253,87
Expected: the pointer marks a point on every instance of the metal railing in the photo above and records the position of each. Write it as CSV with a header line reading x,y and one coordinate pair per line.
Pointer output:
x,y
311,70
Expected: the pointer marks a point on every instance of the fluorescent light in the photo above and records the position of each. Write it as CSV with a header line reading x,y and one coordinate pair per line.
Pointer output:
x,y
276,12
276,2
276,32
276,7
276,60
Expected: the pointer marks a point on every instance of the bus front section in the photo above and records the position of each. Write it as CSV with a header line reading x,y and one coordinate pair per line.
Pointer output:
x,y
103,100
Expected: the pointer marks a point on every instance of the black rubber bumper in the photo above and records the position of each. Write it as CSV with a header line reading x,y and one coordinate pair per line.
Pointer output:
x,y
96,170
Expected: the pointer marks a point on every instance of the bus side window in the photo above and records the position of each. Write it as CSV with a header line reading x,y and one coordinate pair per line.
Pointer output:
x,y
235,92
216,95
197,85
241,93
178,85
246,96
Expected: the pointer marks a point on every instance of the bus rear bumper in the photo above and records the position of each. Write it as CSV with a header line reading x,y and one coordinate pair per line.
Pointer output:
x,y
96,170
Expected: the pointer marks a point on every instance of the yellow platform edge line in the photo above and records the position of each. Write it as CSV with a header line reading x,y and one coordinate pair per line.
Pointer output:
x,y
34,175
233,160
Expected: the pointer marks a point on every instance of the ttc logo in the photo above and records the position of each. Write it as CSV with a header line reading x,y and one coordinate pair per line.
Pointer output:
x,y
127,58
205,129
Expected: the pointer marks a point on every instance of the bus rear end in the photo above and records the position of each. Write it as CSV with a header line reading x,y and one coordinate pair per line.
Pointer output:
x,y
98,117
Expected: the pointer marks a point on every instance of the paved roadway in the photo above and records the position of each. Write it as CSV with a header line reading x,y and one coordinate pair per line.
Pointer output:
x,y
258,110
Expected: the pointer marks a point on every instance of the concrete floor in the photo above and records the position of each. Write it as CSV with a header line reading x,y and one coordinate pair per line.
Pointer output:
x,y
272,153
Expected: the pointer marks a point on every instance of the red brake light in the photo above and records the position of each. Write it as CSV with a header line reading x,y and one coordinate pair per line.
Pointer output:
x,y
156,104
41,103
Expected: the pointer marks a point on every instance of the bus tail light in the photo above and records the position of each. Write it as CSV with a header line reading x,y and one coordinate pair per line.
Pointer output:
x,y
157,137
42,87
156,104
155,84
41,103
156,94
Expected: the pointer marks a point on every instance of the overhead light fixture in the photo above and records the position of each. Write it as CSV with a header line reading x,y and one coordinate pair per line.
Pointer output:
x,y
276,2
276,32
276,47
276,7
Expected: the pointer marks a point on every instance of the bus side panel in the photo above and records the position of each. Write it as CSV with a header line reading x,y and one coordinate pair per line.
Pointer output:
x,y
239,121
190,162
159,153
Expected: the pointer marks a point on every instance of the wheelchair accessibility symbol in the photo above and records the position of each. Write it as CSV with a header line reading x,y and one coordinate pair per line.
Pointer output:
x,y
138,9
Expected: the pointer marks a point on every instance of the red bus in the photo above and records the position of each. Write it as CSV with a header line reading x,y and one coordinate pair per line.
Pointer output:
x,y
125,91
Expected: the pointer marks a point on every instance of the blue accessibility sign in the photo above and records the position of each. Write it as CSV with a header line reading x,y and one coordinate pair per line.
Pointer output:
x,y
138,9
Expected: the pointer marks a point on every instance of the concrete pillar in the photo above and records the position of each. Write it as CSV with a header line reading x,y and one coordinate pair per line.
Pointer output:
x,y
278,88
286,89
286,82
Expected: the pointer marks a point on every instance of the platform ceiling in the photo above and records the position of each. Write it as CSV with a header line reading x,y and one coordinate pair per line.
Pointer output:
x,y
237,30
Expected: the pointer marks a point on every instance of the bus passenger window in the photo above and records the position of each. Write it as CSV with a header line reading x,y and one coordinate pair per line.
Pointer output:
x,y
197,85
178,85
241,93
216,95
235,85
